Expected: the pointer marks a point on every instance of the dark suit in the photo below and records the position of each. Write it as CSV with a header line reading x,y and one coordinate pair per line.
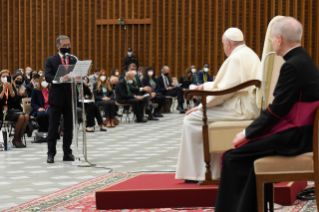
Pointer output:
x,y
123,96
37,101
159,98
200,76
177,91
109,106
29,89
298,82
128,60
60,98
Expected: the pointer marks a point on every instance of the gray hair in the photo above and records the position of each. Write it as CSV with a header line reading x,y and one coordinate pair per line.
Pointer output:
x,y
131,65
289,28
164,68
61,37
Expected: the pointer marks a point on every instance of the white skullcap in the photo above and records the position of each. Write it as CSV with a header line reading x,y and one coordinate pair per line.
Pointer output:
x,y
234,34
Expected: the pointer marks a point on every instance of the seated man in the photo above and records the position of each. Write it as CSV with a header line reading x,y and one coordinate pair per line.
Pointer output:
x,y
128,94
241,65
165,88
33,84
93,77
203,75
268,135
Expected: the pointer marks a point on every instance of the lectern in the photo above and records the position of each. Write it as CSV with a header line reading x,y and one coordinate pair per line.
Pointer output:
x,y
74,74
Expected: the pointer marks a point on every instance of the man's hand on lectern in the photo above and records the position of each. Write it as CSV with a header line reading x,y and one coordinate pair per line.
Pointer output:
x,y
65,78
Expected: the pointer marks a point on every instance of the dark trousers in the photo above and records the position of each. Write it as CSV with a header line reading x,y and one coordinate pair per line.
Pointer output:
x,y
55,115
109,108
160,100
177,91
138,107
43,120
92,111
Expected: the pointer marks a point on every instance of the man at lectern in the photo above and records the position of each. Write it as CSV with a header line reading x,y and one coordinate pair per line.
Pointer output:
x,y
60,97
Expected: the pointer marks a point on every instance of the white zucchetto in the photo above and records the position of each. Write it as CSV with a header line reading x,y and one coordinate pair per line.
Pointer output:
x,y
234,34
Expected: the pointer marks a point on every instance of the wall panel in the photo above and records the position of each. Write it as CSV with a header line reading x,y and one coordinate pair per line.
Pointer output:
x,y
182,33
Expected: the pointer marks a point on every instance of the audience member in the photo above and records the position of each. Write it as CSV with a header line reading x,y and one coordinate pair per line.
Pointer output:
x,y
140,72
166,89
104,97
33,84
150,80
40,105
27,77
195,77
130,58
93,77
17,82
92,111
8,101
203,75
126,94
185,81
115,72
40,72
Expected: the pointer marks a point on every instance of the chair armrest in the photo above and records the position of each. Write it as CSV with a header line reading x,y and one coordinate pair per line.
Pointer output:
x,y
190,93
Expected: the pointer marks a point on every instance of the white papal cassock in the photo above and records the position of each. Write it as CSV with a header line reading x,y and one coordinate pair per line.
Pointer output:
x,y
242,65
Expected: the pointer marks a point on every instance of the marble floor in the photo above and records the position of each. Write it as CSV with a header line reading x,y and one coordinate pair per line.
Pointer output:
x,y
129,147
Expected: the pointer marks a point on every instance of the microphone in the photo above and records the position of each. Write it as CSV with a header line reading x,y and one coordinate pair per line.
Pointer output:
x,y
68,55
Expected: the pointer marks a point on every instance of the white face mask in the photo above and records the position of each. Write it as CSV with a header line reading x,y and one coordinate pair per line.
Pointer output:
x,y
150,73
28,72
44,84
140,74
22,72
40,75
134,72
129,54
193,70
4,79
206,69
96,75
117,73
129,81
103,78
36,84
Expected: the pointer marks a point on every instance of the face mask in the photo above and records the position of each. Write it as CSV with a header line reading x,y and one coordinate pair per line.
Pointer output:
x,y
129,54
4,79
193,70
103,78
117,73
65,50
134,72
44,84
40,75
206,69
22,72
28,72
166,74
140,74
18,82
36,84
129,81
150,73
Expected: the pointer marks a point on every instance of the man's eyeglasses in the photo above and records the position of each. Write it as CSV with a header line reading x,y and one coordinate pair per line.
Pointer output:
x,y
65,46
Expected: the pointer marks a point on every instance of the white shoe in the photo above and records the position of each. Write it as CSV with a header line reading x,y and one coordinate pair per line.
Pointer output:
x,y
276,206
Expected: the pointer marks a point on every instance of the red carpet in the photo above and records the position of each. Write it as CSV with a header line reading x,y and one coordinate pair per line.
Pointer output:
x,y
164,191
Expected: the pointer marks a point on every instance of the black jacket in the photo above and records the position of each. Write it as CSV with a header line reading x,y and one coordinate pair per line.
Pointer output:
x,y
122,93
98,95
185,84
160,84
86,91
13,102
146,82
59,93
128,60
29,89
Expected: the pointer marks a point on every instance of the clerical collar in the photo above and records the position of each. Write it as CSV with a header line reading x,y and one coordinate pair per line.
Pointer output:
x,y
291,49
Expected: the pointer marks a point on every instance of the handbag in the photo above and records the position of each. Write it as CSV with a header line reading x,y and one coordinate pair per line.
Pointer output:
x,y
40,137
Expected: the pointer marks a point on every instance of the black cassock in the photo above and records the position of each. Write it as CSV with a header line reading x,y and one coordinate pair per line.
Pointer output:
x,y
298,82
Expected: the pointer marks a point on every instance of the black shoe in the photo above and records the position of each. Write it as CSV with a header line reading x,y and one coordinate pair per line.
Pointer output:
x,y
103,129
143,120
180,109
151,118
50,159
90,130
191,181
158,115
68,157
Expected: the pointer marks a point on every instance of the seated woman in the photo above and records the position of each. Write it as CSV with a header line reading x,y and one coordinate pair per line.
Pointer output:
x,y
17,82
39,103
115,72
150,80
103,95
186,80
8,102
40,72
90,108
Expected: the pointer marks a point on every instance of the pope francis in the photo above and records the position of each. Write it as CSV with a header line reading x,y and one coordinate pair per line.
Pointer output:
x,y
241,65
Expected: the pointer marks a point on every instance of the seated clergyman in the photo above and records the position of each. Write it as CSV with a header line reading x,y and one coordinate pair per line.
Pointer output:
x,y
241,65
284,128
